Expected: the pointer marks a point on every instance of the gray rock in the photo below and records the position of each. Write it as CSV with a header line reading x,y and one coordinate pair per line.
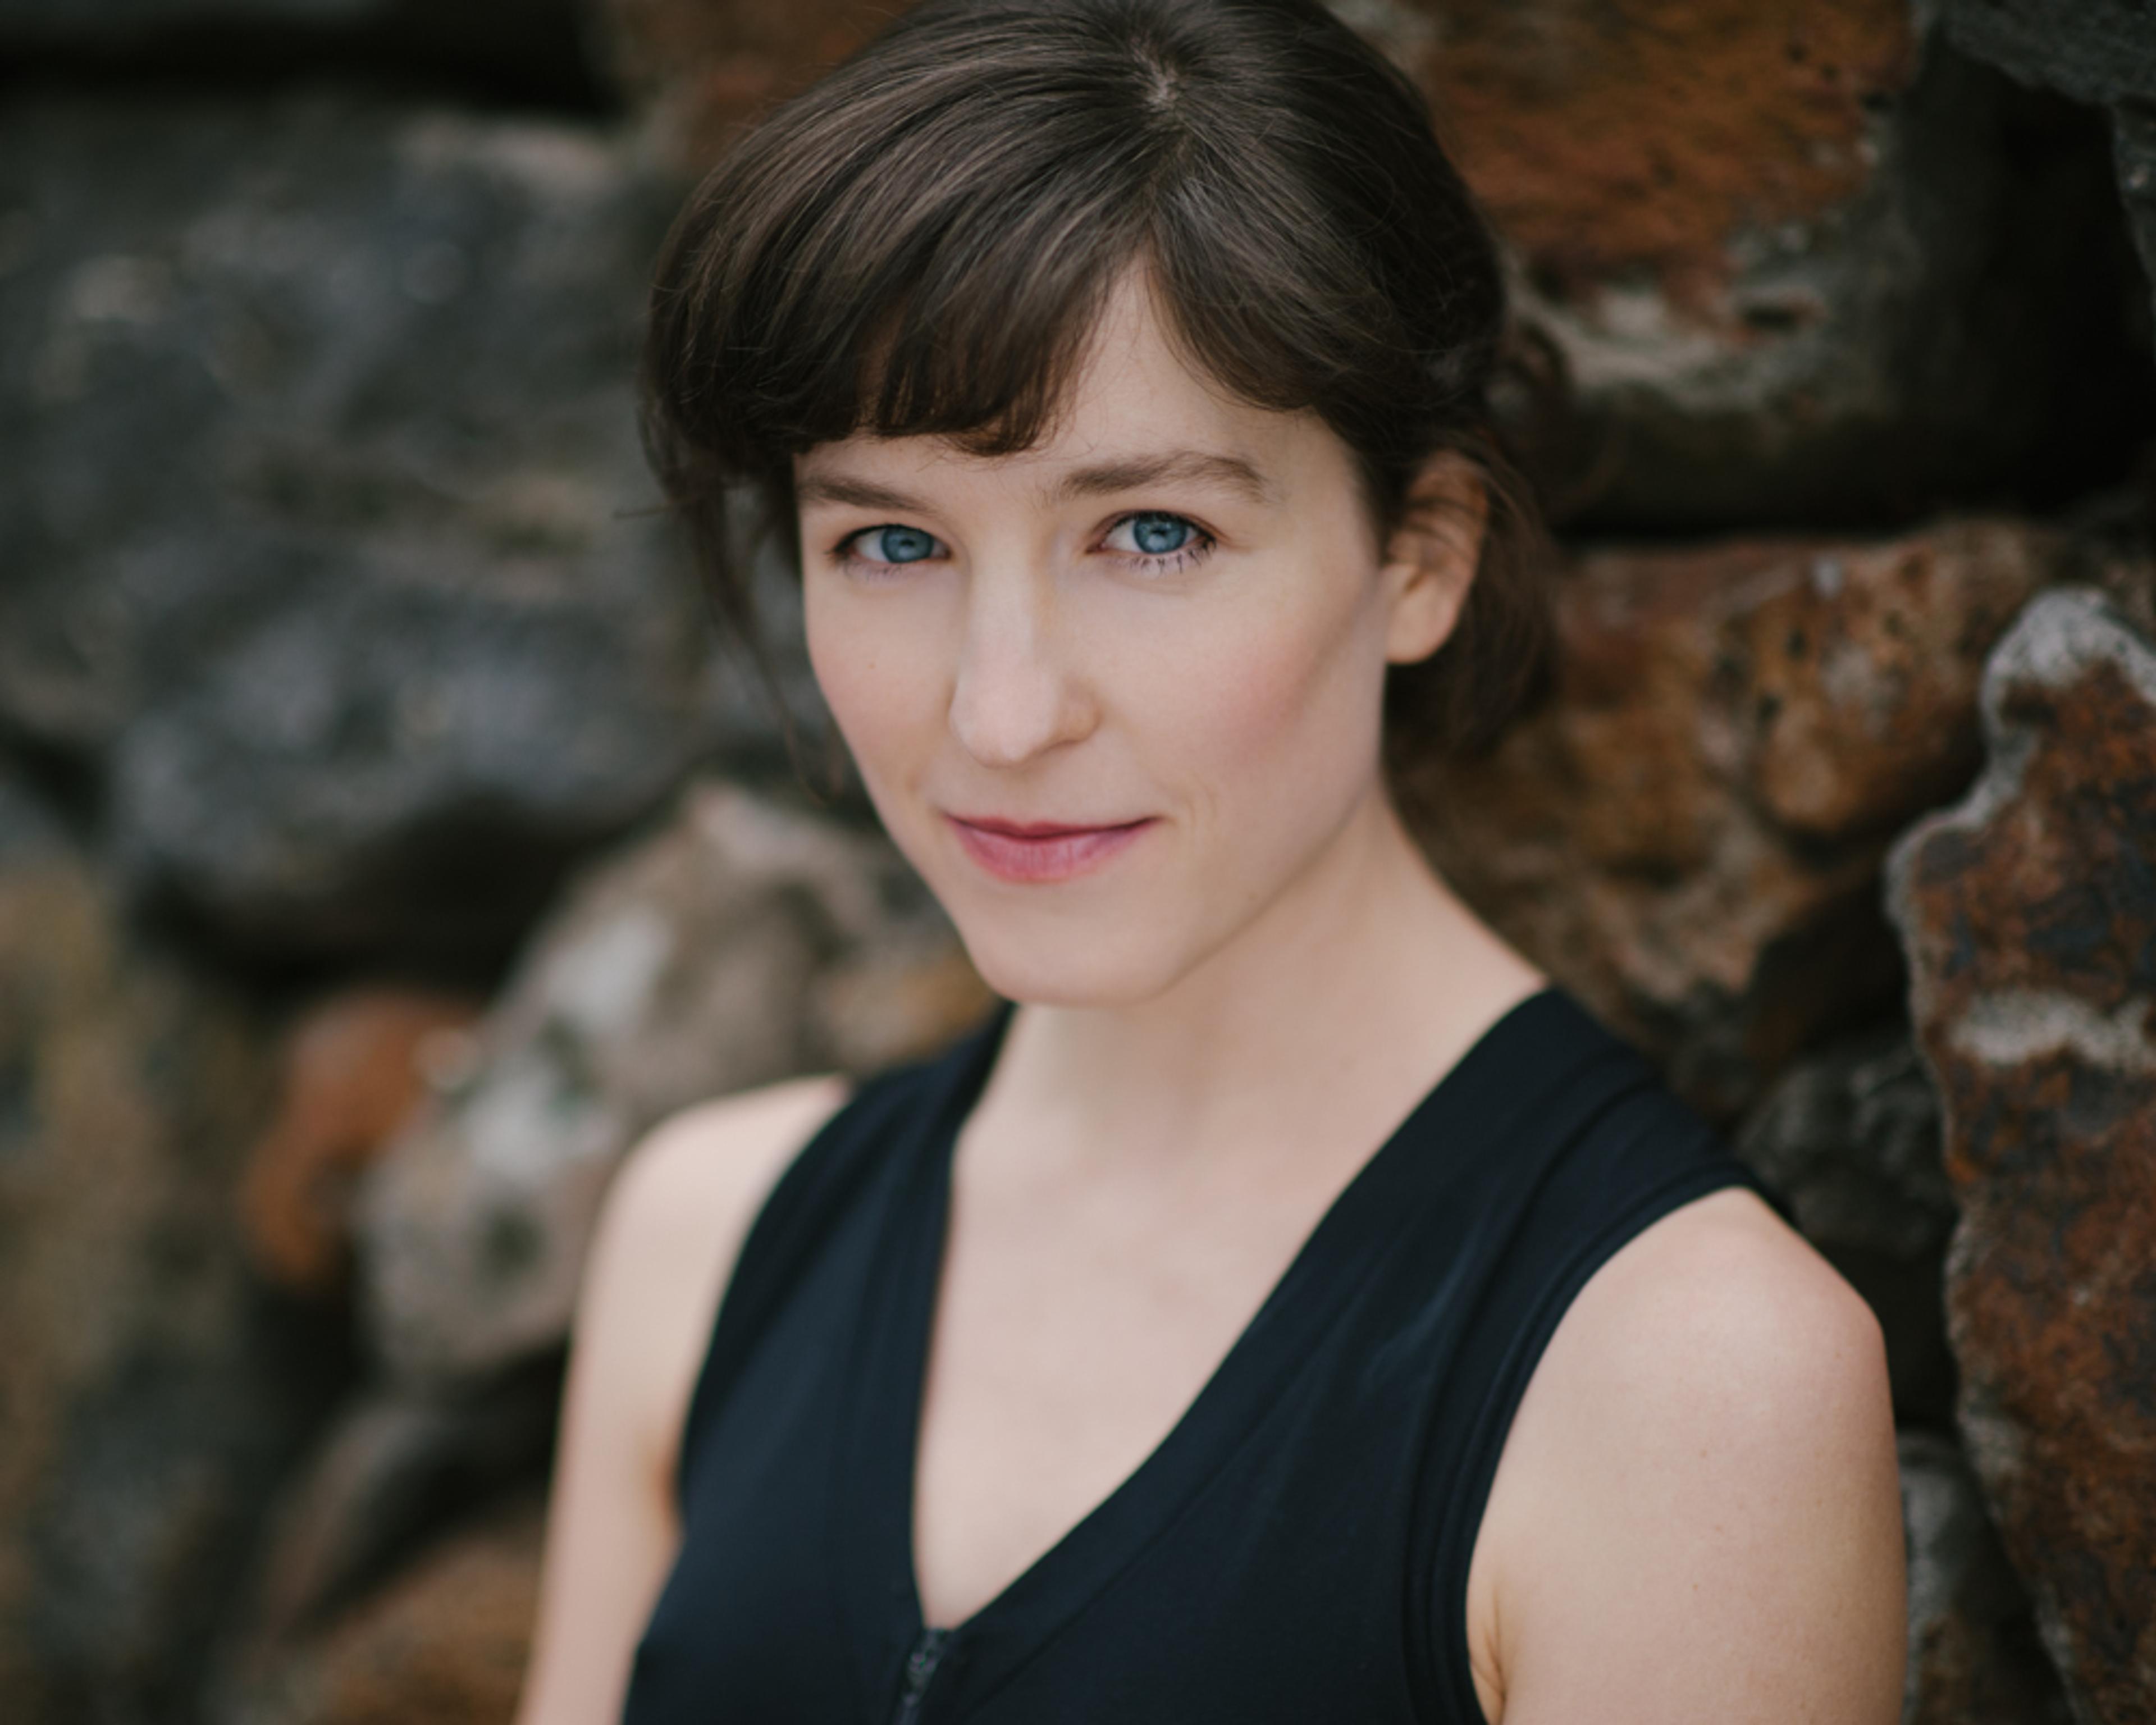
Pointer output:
x,y
27,827
2133,141
741,944
1974,1658
2102,52
330,540
1850,1136
2099,51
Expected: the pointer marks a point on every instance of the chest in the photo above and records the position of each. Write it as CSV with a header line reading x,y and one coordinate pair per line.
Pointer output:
x,y
1072,1330
1258,1560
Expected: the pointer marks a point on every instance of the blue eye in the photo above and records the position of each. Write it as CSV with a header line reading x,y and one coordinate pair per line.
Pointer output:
x,y
893,545
1160,535
1154,533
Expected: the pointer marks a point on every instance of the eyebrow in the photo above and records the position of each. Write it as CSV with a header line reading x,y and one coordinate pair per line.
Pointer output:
x,y
1170,467
837,487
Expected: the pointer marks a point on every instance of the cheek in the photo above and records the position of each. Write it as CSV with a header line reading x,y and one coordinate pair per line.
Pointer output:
x,y
876,674
1290,687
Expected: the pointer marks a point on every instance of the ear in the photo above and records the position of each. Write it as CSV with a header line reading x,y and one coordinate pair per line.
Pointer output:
x,y
1429,560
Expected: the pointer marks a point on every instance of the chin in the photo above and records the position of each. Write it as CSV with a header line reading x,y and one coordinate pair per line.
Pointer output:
x,y
1070,962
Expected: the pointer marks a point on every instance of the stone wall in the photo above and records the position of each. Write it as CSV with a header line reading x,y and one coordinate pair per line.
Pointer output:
x,y
384,844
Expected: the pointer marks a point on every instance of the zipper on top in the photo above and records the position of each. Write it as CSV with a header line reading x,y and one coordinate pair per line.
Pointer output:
x,y
919,1671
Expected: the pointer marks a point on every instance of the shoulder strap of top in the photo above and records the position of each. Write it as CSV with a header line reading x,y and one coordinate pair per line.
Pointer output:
x,y
1619,1154
823,1181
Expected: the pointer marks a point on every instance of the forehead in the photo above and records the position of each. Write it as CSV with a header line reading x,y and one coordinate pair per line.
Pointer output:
x,y
1136,408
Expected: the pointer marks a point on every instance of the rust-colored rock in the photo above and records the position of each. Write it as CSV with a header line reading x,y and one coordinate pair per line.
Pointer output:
x,y
353,1073
2029,912
1642,140
1689,833
445,1642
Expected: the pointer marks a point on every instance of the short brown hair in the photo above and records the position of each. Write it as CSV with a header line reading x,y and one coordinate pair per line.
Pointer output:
x,y
923,242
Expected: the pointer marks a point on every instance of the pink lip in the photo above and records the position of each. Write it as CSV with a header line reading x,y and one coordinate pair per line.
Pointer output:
x,y
1034,852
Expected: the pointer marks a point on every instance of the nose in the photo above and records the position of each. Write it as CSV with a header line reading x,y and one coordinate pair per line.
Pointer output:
x,y
1016,696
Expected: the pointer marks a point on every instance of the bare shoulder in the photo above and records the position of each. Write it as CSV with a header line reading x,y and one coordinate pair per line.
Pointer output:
x,y
1718,1344
1697,1511
672,1226
668,1234
710,1163
1720,1300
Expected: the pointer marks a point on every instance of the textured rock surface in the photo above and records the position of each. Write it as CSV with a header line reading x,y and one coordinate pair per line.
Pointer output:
x,y
1689,835
446,1642
1850,1136
60,20
2097,51
1973,1655
149,1396
329,537
394,1468
2134,141
354,1071
526,50
740,944
704,69
29,830
65,20
1765,245
2029,912
1783,263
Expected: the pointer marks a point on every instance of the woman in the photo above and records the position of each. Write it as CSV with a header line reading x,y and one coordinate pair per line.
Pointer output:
x,y
1294,1308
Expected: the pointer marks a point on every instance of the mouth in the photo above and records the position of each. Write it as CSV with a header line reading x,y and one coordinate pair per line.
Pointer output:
x,y
1036,852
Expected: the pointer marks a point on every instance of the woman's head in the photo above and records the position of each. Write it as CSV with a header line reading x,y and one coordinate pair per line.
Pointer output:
x,y
1018,248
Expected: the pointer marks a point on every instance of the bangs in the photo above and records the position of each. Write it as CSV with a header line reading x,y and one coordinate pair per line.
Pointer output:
x,y
920,246
934,275
981,349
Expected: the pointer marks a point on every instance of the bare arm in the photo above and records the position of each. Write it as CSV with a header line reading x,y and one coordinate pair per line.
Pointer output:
x,y
673,1225
1697,1515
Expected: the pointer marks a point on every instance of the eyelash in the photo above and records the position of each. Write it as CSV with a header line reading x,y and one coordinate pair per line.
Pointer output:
x,y
1169,562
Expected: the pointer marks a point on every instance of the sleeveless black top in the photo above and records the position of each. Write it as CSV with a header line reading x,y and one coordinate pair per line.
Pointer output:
x,y
1296,1550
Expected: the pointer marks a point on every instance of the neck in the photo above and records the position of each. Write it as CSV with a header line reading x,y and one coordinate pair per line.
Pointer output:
x,y
1367,970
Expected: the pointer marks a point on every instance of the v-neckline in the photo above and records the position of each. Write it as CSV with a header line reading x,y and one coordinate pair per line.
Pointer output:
x,y
882,1455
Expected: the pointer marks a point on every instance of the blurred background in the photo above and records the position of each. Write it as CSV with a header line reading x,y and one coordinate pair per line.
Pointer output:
x,y
384,842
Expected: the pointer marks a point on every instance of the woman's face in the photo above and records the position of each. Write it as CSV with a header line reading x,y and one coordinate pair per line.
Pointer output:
x,y
1115,696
